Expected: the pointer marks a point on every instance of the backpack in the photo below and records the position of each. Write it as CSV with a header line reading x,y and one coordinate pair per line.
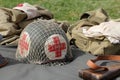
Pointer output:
x,y
97,45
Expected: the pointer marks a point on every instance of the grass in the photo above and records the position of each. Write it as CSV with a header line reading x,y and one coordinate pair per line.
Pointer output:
x,y
70,10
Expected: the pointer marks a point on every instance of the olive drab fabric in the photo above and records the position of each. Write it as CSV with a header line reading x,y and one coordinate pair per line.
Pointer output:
x,y
13,21
95,45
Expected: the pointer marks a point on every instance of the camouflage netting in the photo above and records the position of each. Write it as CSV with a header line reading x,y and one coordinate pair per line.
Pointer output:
x,y
36,37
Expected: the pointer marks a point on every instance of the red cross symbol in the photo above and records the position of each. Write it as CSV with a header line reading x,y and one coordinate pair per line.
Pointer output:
x,y
57,47
23,44
19,5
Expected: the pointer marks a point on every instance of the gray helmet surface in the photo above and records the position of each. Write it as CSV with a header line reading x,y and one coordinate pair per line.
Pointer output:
x,y
43,42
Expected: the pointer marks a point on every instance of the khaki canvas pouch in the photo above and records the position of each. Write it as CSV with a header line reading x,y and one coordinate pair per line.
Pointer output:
x,y
95,46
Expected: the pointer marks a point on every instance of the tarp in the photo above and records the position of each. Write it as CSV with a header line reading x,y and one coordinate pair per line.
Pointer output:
x,y
20,71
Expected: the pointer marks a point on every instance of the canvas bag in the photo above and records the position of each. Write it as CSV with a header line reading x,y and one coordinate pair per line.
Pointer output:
x,y
13,21
96,45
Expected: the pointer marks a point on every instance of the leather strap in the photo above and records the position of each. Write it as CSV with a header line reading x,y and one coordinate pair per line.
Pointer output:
x,y
92,65
3,61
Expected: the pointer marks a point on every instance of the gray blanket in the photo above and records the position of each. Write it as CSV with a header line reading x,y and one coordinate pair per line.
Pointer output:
x,y
19,71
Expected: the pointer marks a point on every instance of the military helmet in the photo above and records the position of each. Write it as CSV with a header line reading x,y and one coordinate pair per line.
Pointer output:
x,y
43,42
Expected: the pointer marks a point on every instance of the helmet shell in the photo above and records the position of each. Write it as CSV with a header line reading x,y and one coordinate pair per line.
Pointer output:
x,y
43,42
